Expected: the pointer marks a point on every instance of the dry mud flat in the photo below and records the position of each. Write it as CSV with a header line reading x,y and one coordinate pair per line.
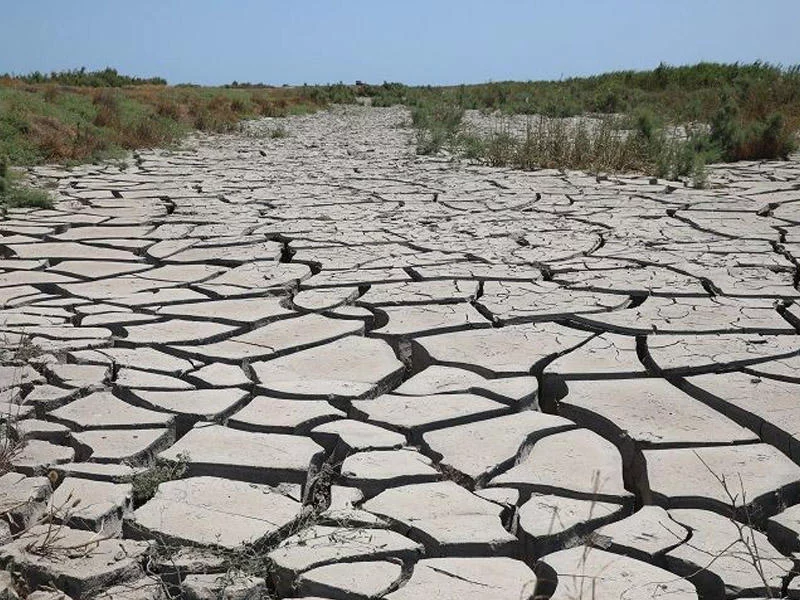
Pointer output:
x,y
400,377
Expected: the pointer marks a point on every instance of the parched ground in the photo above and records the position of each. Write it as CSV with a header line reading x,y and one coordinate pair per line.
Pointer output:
x,y
380,375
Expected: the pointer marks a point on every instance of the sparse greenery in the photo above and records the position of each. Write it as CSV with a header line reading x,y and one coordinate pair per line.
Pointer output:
x,y
438,123
146,483
13,194
279,132
596,145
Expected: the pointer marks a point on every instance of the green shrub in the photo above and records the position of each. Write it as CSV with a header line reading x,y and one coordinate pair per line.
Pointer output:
x,y
471,146
438,125
768,137
647,124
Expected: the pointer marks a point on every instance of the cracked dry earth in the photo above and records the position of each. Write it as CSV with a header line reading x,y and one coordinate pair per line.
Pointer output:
x,y
390,376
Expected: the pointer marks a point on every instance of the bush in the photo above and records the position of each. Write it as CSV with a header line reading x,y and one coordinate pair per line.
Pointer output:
x,y
438,125
431,140
646,124
591,145
762,138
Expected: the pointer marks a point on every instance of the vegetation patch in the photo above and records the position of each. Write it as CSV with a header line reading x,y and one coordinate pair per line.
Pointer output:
x,y
78,116
627,119
145,484
13,194
722,112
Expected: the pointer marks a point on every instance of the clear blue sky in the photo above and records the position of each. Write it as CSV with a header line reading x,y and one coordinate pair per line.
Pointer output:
x,y
414,41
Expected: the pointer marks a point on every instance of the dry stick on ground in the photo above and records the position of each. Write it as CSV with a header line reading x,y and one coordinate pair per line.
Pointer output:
x,y
252,559
575,541
57,517
10,442
747,540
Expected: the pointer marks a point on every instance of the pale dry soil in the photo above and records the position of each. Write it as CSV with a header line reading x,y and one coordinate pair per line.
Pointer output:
x,y
391,376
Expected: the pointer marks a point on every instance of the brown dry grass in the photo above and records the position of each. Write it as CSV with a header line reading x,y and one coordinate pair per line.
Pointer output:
x,y
49,122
